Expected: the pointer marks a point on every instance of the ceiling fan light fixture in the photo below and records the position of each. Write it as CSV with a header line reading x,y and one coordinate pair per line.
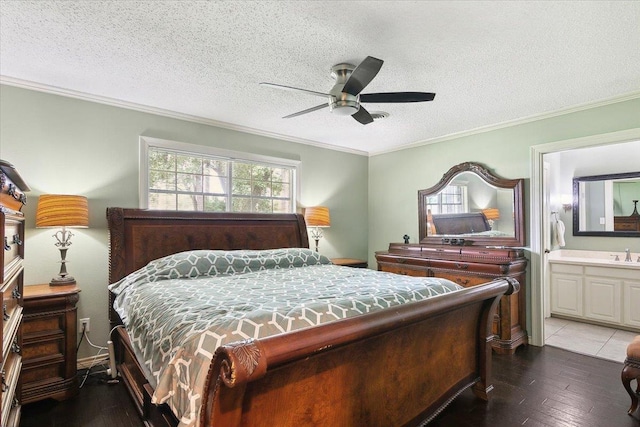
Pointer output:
x,y
344,107
345,97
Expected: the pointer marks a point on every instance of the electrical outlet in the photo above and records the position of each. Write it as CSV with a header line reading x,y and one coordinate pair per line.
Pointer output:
x,y
85,323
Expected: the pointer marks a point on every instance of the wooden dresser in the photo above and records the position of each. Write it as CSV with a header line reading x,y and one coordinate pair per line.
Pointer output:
x,y
12,198
626,223
49,332
469,266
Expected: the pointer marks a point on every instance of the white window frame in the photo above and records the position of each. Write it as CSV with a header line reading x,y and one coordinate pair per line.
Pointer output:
x,y
464,202
193,149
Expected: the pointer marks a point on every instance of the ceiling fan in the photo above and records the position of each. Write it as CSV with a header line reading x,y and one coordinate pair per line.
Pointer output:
x,y
345,99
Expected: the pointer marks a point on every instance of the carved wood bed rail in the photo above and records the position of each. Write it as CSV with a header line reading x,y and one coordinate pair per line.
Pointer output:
x,y
399,366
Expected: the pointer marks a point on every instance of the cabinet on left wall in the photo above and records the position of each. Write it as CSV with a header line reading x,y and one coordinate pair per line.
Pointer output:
x,y
12,198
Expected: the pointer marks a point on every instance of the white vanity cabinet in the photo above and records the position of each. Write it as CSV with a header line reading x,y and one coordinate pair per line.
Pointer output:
x,y
631,302
603,299
567,290
602,294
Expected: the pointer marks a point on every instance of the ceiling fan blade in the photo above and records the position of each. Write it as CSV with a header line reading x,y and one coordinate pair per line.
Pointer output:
x,y
362,75
308,110
363,116
395,97
295,89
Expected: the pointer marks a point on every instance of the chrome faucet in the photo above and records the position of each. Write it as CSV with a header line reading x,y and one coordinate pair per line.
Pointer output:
x,y
628,257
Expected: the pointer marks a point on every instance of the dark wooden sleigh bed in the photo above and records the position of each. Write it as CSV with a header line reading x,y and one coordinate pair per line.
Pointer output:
x,y
396,367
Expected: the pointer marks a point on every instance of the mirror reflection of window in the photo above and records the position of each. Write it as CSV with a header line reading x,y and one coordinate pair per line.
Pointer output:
x,y
453,199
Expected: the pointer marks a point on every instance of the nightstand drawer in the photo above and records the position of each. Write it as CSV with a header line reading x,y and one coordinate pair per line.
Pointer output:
x,y
53,371
45,347
34,325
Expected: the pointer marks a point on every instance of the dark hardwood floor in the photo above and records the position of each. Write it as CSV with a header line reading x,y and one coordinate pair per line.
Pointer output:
x,y
535,387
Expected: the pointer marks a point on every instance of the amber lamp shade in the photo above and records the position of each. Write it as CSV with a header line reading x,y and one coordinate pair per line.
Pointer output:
x,y
317,217
491,213
62,211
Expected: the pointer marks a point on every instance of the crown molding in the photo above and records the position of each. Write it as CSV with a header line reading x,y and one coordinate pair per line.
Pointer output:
x,y
25,84
576,108
54,90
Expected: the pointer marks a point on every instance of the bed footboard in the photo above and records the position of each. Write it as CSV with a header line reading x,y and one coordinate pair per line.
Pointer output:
x,y
397,367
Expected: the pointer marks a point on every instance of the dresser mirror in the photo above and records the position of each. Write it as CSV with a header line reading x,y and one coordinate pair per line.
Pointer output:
x,y
607,205
472,206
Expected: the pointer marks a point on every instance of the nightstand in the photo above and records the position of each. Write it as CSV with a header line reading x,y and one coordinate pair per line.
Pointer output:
x,y
49,330
350,262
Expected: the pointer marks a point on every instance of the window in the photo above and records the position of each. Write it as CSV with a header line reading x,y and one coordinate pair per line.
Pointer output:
x,y
178,176
453,199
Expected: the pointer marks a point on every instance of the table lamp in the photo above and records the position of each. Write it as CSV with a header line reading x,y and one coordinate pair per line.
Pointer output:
x,y
318,218
60,210
491,214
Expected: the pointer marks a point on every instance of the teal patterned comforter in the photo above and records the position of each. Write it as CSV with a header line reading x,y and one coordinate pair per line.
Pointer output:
x,y
179,309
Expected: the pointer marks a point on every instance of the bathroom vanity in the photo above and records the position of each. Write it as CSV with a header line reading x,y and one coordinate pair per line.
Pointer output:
x,y
596,287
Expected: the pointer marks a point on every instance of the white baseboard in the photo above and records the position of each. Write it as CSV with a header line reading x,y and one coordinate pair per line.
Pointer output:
x,y
88,362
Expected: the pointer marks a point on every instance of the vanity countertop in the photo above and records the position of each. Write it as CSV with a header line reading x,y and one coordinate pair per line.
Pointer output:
x,y
596,258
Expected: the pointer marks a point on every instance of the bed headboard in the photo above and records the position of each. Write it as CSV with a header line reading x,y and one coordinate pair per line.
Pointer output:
x,y
461,223
138,236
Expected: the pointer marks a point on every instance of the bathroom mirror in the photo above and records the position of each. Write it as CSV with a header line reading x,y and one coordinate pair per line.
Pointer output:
x,y
472,206
607,205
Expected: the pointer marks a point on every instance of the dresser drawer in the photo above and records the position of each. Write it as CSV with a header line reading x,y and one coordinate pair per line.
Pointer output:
x,y
465,280
14,415
489,269
11,310
12,188
392,260
11,373
404,269
12,241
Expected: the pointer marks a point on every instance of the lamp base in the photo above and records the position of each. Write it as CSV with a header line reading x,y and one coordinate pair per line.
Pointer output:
x,y
62,281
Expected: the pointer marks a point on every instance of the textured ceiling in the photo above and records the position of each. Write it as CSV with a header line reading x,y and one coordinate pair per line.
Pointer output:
x,y
488,62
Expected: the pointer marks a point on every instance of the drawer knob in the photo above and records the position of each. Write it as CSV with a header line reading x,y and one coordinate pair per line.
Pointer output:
x,y
5,316
7,247
15,347
4,382
462,266
16,239
16,293
23,199
462,281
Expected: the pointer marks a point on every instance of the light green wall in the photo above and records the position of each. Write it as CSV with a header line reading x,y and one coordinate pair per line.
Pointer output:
x,y
396,177
69,146
65,145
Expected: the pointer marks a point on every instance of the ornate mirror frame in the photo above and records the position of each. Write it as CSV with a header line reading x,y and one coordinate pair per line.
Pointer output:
x,y
517,185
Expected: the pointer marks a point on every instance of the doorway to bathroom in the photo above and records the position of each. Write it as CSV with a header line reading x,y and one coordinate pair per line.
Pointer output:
x,y
547,197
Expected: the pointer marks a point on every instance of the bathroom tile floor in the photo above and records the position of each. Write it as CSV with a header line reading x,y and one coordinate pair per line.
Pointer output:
x,y
584,338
